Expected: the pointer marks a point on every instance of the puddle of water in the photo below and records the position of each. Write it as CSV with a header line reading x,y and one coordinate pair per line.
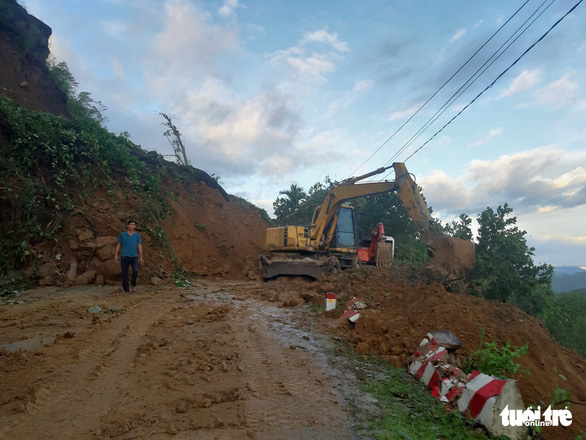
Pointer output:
x,y
26,344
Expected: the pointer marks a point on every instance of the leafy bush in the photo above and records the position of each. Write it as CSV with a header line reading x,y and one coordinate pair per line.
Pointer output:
x,y
494,360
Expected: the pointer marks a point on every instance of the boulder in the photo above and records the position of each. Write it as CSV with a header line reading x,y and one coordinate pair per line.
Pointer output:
x,y
84,234
49,280
106,241
111,270
48,269
71,274
156,281
106,253
86,278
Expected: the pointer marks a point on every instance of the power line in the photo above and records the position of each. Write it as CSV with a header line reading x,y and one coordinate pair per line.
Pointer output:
x,y
497,78
482,69
443,85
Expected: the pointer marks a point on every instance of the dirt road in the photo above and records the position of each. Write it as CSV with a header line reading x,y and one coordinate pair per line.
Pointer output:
x,y
208,361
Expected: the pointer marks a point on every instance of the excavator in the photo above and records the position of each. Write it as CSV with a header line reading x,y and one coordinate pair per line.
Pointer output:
x,y
329,243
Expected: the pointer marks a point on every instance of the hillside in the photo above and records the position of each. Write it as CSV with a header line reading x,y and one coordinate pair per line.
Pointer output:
x,y
68,187
24,76
562,282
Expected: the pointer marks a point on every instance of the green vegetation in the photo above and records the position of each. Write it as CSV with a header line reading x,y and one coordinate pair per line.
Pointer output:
x,y
411,412
505,271
494,360
51,164
565,317
79,105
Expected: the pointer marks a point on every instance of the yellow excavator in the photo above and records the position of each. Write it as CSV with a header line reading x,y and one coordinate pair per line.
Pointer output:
x,y
329,243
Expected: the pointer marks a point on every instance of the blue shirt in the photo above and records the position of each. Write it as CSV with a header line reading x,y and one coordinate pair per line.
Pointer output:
x,y
129,244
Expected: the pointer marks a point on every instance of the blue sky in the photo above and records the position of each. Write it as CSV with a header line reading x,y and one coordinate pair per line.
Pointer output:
x,y
270,93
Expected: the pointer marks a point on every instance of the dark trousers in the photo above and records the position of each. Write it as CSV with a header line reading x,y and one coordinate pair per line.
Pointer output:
x,y
125,262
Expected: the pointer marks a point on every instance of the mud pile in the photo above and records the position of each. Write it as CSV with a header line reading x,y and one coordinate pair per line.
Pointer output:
x,y
405,303
207,233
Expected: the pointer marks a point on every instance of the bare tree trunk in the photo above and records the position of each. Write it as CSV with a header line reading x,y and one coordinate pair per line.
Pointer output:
x,y
174,137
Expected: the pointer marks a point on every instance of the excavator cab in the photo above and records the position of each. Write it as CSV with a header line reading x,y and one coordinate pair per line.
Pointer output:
x,y
293,253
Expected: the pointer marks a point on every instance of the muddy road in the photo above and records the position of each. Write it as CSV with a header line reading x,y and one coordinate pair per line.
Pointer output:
x,y
208,361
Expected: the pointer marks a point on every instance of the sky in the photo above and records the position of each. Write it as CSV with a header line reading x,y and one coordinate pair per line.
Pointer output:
x,y
269,93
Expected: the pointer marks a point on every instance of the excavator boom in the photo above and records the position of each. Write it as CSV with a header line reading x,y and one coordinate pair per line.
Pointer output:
x,y
454,255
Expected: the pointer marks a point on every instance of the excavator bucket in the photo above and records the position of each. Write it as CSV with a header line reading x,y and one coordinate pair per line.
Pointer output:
x,y
384,254
453,255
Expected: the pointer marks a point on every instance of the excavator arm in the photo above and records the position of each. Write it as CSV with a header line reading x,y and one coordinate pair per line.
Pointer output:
x,y
403,184
454,255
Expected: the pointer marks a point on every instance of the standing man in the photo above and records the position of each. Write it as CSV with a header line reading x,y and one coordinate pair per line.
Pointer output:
x,y
131,244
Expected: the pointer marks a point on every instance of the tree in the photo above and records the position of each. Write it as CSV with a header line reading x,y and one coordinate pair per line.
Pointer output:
x,y
173,135
79,105
460,228
286,207
505,270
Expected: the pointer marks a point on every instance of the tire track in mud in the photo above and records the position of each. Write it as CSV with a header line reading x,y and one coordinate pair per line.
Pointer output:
x,y
62,406
289,394
208,362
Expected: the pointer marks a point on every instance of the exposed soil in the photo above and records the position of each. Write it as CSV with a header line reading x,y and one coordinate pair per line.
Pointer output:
x,y
209,361
24,76
404,304
241,359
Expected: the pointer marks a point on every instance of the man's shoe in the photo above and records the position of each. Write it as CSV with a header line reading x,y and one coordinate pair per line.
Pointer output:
x,y
132,289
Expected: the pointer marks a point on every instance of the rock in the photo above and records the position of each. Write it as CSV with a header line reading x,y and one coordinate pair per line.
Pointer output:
x,y
48,269
106,241
106,252
111,270
86,278
84,234
156,281
49,280
99,280
71,274
23,84
87,246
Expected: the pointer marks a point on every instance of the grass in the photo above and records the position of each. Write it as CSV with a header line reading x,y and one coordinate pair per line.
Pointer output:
x,y
410,412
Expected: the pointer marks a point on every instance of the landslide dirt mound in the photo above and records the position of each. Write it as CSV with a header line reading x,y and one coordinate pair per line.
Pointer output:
x,y
206,232
404,304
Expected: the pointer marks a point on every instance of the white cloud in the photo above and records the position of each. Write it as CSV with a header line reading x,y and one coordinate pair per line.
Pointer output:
x,y
115,29
190,43
545,187
528,180
492,133
404,113
228,8
305,67
525,80
458,34
478,24
559,93
360,88
325,37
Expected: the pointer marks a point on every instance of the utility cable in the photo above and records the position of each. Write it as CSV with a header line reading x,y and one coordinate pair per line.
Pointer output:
x,y
443,85
481,70
497,78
